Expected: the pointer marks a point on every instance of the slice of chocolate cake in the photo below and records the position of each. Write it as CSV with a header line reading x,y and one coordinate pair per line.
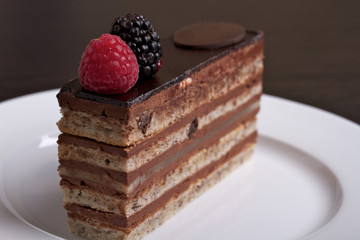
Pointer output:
x,y
130,161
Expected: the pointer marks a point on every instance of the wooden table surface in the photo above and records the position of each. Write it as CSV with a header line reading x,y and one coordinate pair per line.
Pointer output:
x,y
312,47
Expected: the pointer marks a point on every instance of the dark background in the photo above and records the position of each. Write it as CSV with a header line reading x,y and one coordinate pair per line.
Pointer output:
x,y
312,47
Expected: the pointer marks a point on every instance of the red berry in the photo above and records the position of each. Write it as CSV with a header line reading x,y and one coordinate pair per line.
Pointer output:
x,y
108,66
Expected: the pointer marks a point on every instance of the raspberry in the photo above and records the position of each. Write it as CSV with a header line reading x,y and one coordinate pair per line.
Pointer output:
x,y
108,66
141,37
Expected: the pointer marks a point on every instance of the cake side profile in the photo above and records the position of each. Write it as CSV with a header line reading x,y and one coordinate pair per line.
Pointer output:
x,y
130,161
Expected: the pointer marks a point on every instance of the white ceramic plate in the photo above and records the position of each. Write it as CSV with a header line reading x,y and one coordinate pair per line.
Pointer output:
x,y
302,181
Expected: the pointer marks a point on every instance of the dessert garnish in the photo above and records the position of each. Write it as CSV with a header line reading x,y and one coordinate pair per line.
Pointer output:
x,y
209,35
141,37
108,66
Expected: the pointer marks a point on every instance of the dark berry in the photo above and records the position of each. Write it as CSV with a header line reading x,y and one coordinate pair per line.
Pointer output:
x,y
141,37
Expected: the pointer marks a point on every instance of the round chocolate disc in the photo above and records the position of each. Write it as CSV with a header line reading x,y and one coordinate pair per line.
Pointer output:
x,y
209,35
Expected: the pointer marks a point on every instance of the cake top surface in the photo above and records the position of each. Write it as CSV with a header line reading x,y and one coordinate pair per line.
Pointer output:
x,y
178,63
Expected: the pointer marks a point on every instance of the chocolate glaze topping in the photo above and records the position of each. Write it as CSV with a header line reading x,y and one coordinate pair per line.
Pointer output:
x,y
178,63
209,35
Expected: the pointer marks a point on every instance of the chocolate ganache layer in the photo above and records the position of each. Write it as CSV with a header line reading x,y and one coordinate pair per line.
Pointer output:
x,y
137,218
143,184
178,64
153,171
243,113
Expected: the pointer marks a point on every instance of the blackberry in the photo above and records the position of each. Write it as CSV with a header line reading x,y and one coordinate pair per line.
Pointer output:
x,y
141,37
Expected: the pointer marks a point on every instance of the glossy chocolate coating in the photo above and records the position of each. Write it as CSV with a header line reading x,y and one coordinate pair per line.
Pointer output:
x,y
177,64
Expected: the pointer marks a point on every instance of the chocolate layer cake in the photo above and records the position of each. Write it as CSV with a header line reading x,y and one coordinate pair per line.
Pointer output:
x,y
130,161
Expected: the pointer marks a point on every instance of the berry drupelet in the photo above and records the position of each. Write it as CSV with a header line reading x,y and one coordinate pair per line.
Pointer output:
x,y
141,37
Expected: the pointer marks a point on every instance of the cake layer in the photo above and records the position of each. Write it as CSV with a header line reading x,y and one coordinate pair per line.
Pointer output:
x,y
104,183
142,177
90,119
142,155
95,229
90,196
135,219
